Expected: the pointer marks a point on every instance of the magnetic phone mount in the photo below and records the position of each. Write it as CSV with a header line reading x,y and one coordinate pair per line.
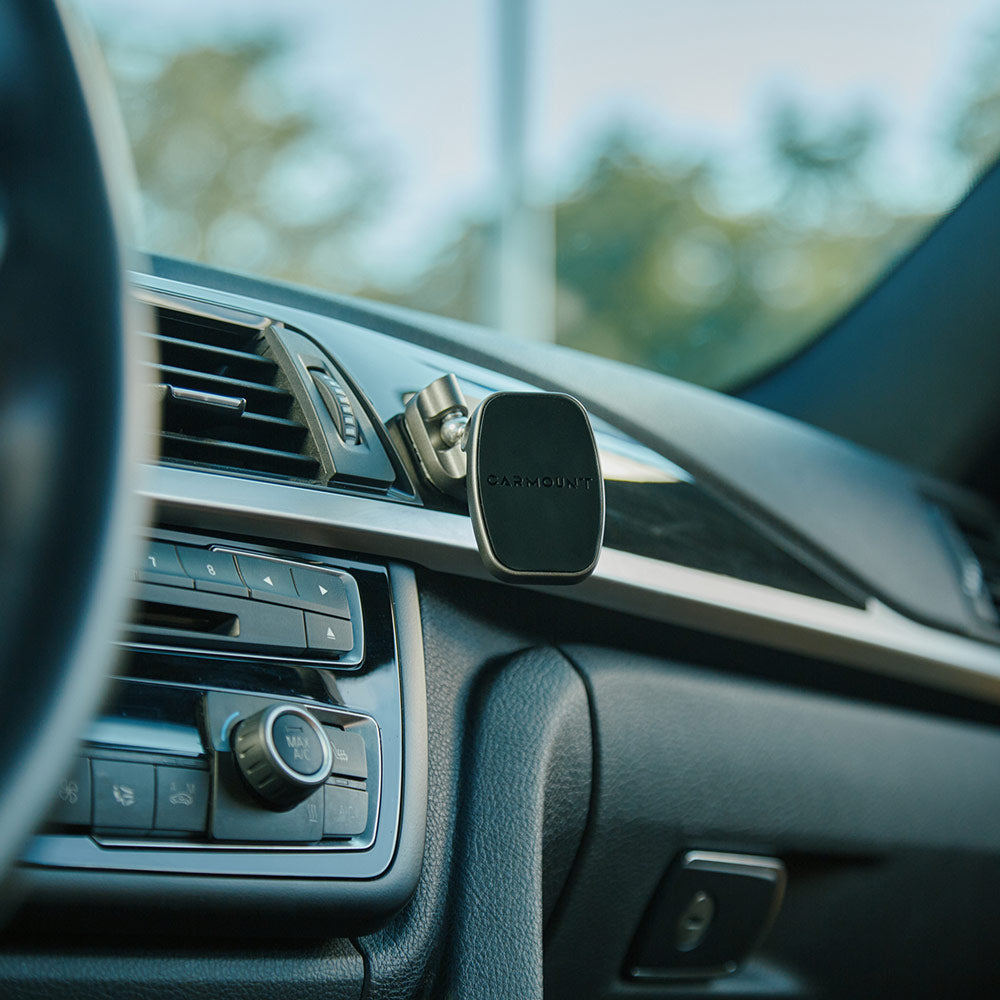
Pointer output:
x,y
535,490
532,477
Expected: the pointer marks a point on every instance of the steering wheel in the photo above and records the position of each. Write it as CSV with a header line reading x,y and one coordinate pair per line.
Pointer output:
x,y
69,430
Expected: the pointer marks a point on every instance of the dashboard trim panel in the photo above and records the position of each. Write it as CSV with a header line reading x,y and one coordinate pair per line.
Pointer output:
x,y
875,638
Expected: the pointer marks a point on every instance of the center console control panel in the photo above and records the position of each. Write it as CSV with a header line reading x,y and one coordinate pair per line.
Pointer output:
x,y
331,758
214,598
257,726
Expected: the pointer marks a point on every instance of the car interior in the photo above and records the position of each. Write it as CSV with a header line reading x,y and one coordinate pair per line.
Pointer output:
x,y
349,650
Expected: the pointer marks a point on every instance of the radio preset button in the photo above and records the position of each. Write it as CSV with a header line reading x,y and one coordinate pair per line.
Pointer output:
x,y
161,565
212,571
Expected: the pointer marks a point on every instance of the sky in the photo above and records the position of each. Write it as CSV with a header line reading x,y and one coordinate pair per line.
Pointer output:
x,y
419,82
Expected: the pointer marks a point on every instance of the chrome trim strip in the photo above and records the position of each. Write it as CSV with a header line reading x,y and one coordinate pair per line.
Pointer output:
x,y
46,842
229,654
243,847
875,638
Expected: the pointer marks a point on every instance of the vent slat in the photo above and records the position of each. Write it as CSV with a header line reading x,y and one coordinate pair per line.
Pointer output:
x,y
206,331
983,542
236,456
280,433
241,340
223,359
260,398
216,360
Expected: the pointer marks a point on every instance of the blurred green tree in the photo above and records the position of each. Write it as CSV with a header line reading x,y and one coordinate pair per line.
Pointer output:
x,y
231,174
651,271
652,266
975,133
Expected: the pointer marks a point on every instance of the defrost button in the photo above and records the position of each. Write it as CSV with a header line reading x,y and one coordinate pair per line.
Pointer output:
x,y
181,799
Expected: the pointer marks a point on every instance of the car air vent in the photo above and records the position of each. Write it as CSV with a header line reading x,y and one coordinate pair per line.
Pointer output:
x,y
225,400
977,540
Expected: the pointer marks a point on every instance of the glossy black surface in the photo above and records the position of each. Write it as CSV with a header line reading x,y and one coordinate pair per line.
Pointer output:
x,y
679,522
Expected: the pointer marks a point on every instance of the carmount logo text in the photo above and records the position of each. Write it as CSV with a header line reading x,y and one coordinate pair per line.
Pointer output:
x,y
542,482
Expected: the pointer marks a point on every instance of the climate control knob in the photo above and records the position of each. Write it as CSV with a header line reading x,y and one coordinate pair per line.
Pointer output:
x,y
283,754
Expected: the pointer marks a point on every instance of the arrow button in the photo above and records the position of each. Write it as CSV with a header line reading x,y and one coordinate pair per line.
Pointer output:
x,y
267,580
321,591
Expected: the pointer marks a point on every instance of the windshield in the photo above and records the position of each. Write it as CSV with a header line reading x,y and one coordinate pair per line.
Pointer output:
x,y
694,188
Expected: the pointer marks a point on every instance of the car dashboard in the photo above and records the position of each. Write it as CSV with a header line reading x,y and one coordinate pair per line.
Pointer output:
x,y
754,754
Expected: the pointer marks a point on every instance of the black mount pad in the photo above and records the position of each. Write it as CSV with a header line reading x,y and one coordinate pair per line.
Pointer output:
x,y
536,495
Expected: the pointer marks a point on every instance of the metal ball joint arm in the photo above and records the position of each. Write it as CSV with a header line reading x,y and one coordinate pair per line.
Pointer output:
x,y
435,421
454,428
